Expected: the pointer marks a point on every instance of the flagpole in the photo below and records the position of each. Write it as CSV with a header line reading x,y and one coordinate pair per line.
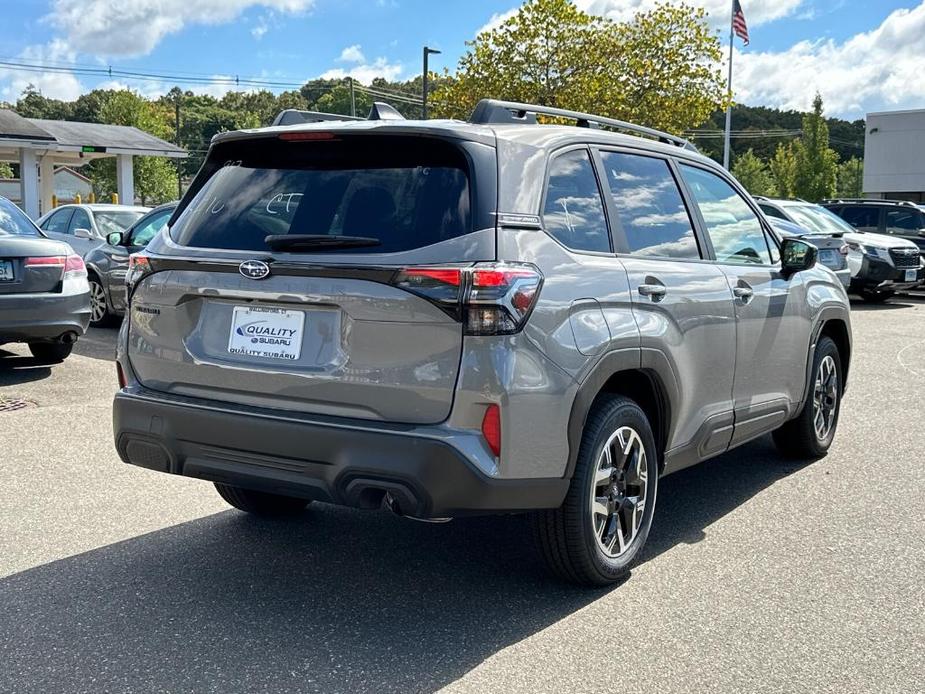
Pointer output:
x,y
729,88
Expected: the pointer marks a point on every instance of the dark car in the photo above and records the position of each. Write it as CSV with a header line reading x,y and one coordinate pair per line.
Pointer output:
x,y
106,264
44,297
894,217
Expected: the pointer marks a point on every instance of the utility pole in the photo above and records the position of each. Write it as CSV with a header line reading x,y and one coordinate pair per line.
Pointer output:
x,y
353,101
427,52
177,142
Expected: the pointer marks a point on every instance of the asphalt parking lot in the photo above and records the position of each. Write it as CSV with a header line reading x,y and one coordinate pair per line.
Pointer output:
x,y
760,575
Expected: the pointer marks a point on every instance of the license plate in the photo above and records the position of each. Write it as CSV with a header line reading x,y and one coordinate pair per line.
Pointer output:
x,y
911,275
267,333
6,270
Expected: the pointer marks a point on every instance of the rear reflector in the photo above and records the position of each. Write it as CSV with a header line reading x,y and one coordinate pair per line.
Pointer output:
x,y
491,429
120,374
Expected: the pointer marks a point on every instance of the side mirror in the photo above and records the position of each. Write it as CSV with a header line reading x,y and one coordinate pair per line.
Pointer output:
x,y
114,238
797,255
82,234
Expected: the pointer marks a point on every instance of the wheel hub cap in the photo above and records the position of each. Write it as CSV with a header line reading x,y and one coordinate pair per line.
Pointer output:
x,y
618,492
825,398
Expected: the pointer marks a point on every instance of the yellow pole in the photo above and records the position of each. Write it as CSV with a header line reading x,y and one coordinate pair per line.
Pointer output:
x,y
54,201
91,198
115,198
77,199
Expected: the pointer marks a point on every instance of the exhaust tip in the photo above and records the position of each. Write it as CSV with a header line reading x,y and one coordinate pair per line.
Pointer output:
x,y
69,338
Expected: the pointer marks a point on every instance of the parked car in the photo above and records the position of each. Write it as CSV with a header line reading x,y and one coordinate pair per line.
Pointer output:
x,y
897,218
84,227
880,265
44,296
108,263
449,318
833,251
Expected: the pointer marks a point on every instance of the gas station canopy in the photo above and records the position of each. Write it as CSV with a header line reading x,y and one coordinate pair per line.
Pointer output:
x,y
39,145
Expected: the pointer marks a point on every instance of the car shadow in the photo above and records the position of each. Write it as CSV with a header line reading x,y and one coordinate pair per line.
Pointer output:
x,y
16,369
335,600
98,343
892,304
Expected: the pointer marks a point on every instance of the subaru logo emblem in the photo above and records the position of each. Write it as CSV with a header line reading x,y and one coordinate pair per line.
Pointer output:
x,y
254,269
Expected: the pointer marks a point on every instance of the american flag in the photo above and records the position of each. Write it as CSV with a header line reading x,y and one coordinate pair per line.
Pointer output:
x,y
738,21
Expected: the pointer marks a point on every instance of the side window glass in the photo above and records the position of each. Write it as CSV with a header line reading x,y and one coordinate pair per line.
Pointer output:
x,y
149,229
574,211
58,222
904,221
772,211
649,206
80,220
735,231
860,217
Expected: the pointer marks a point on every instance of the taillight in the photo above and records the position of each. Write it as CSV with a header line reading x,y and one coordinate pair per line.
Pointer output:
x,y
120,374
46,261
491,429
71,265
138,267
74,264
489,298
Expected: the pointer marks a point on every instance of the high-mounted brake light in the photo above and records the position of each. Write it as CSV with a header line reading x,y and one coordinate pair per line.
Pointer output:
x,y
307,136
489,298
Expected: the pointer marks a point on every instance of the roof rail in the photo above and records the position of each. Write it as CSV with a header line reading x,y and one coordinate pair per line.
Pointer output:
x,y
891,202
494,112
292,116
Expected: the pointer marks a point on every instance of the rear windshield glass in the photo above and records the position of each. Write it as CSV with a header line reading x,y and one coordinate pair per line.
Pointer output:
x,y
405,193
14,222
121,220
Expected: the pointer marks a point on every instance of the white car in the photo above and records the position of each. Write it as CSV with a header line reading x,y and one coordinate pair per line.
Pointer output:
x,y
85,227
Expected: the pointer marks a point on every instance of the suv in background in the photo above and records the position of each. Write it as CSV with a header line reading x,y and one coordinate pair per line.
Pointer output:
x,y
449,318
901,219
833,251
880,265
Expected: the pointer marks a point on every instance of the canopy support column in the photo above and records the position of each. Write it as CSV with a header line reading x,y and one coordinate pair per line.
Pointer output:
x,y
29,182
125,183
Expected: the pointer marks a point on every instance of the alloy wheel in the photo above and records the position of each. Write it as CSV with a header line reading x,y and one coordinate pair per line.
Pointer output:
x,y
97,302
825,397
618,492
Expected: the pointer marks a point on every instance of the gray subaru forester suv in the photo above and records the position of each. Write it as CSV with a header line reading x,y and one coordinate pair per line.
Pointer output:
x,y
453,318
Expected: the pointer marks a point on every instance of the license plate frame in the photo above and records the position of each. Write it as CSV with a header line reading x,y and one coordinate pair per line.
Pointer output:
x,y
912,275
7,271
266,332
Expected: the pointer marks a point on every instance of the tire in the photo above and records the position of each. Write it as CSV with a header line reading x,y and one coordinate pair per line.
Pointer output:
x,y
50,352
261,503
100,315
800,438
571,538
875,297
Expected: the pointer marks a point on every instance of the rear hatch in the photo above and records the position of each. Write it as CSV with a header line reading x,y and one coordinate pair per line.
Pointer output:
x,y
311,320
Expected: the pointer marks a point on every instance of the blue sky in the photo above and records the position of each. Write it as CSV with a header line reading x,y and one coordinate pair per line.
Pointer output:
x,y
863,56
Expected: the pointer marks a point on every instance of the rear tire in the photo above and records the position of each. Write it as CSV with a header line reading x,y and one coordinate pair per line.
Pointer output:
x,y
261,503
811,433
50,352
594,538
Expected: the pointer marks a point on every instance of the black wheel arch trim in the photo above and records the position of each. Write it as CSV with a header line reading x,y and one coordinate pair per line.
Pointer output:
x,y
826,315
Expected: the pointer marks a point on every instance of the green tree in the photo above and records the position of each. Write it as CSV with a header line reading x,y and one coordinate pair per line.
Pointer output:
x,y
658,69
6,171
782,168
753,174
850,178
816,162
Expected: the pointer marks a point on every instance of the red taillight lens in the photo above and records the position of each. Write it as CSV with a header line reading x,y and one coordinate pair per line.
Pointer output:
x,y
138,267
74,263
491,429
307,136
46,261
489,298
120,374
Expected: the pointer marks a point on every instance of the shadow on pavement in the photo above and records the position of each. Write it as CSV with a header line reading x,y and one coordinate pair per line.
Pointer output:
x,y
337,600
16,369
98,343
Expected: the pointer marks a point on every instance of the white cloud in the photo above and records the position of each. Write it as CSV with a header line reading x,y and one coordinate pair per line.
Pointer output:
x,y
117,27
260,28
880,69
59,84
497,19
367,72
352,54
756,12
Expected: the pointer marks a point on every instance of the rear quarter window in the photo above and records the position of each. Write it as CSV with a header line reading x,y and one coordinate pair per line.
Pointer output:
x,y
405,192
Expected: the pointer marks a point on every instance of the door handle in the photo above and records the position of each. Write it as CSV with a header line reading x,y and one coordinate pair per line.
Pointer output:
x,y
743,293
653,291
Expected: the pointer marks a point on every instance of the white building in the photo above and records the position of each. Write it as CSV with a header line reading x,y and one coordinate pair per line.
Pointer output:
x,y
68,185
894,155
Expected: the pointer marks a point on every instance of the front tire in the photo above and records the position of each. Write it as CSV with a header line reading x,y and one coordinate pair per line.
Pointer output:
x,y
594,538
100,315
50,352
811,433
260,503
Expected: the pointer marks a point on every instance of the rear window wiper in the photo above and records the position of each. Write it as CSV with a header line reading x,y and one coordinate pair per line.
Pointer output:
x,y
318,242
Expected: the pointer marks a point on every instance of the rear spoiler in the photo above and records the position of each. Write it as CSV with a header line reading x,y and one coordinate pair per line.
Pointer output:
x,y
291,116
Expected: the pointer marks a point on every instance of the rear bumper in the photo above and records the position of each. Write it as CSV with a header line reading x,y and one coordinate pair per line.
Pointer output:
x,y
332,460
27,317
